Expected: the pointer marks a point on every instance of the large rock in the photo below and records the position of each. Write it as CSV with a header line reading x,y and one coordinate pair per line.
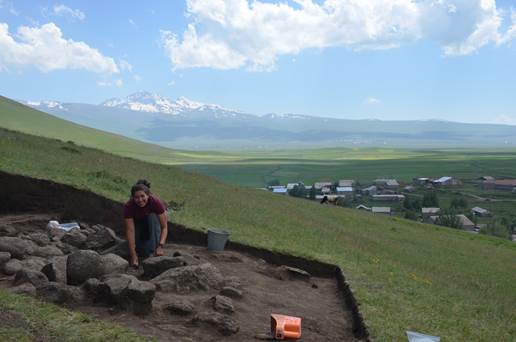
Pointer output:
x,y
56,234
32,263
190,278
36,278
55,270
188,258
8,230
231,292
46,251
126,292
60,293
103,238
120,248
4,257
12,266
112,263
18,248
82,265
154,266
74,238
223,323
66,248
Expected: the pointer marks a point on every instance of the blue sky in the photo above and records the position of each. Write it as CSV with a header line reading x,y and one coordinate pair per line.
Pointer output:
x,y
385,59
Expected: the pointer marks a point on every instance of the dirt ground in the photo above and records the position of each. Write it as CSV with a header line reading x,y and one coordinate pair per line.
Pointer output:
x,y
317,301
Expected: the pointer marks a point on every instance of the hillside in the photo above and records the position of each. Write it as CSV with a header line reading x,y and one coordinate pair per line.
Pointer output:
x,y
405,275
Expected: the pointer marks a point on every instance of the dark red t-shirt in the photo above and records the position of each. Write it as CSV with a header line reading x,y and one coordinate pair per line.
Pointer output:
x,y
134,211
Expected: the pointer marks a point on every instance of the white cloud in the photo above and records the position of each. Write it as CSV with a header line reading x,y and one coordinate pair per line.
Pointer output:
x,y
231,34
125,66
45,48
8,5
372,101
65,11
116,83
506,120
137,78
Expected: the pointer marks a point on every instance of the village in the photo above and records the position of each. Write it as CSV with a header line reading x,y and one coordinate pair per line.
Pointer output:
x,y
417,200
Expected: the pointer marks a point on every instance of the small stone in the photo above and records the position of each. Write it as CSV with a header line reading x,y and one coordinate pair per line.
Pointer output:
x,y
112,263
90,286
36,278
290,273
47,251
4,257
180,307
232,281
39,238
56,233
25,288
156,265
231,292
223,323
120,248
55,270
103,238
223,304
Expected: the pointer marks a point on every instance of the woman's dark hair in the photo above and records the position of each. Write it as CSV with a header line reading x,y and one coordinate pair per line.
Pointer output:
x,y
141,185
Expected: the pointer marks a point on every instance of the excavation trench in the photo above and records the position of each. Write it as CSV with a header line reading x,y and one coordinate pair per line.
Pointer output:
x,y
325,303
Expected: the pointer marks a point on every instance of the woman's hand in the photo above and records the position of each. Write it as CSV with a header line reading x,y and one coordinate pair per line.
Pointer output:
x,y
158,251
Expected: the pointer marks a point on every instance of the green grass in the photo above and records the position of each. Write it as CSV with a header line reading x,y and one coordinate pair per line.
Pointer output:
x,y
28,319
405,275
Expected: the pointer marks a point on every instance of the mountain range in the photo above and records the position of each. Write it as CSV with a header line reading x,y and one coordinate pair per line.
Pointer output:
x,y
188,124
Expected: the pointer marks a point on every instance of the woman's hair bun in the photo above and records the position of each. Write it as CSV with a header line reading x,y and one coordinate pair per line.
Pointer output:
x,y
144,182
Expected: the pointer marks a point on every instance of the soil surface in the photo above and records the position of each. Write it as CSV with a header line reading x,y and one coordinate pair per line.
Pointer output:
x,y
317,301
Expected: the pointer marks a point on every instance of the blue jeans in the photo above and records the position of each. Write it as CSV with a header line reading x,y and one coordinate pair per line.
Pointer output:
x,y
146,235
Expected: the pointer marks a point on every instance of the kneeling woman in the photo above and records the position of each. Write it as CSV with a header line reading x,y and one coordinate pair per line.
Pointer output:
x,y
145,223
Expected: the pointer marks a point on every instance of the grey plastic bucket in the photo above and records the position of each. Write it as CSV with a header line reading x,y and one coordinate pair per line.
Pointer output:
x,y
217,239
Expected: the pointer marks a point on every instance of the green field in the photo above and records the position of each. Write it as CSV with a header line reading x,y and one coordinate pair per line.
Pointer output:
x,y
405,275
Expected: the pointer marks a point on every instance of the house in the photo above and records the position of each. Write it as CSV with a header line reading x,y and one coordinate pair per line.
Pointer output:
x,y
272,187
371,190
362,207
326,190
409,188
430,211
487,178
505,184
281,191
465,222
477,211
320,185
387,183
331,198
346,182
344,190
445,181
308,187
421,181
388,197
381,210
291,186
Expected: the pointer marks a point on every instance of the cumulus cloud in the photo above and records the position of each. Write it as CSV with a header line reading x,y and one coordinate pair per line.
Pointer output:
x,y
231,34
45,48
125,65
65,11
372,101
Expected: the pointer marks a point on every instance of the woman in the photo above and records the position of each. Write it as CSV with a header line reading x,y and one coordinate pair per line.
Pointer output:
x,y
145,223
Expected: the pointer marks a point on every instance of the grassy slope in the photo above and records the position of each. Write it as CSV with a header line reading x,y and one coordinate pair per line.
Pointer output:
x,y
406,275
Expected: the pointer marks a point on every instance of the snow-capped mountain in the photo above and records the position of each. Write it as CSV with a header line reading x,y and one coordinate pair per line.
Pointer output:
x,y
154,103
46,104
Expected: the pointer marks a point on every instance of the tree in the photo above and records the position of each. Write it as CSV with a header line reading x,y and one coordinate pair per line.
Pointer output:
x,y
459,203
313,193
497,228
273,182
410,215
430,200
298,191
449,219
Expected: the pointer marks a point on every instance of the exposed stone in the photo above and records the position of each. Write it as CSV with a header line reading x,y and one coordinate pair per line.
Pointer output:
x,y
12,266
188,258
140,295
8,230
74,238
111,288
82,265
190,278
112,263
56,233
46,251
290,273
222,304
90,287
180,306
4,257
25,288
231,292
66,248
18,248
103,238
60,293
36,278
55,270
120,248
232,281
223,323
156,265
39,238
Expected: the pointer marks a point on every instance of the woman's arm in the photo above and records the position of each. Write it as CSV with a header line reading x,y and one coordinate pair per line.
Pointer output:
x,y
129,233
163,220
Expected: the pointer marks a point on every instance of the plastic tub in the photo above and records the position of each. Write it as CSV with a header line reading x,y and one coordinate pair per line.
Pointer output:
x,y
217,239
69,226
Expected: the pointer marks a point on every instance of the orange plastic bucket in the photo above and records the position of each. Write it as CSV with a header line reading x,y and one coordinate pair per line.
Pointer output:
x,y
285,327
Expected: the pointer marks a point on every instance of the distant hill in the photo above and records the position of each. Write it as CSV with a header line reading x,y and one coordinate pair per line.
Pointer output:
x,y
188,124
